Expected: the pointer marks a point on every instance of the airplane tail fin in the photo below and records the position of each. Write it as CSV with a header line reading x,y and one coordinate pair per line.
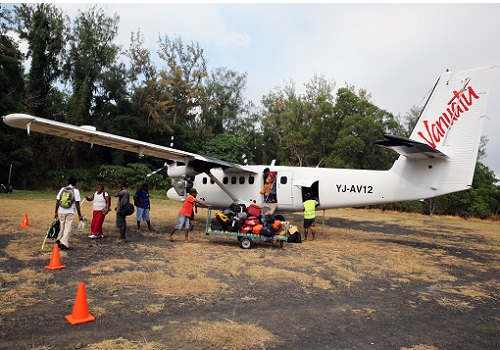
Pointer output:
x,y
441,153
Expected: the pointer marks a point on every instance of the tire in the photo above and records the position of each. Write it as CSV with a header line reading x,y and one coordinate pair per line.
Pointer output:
x,y
246,243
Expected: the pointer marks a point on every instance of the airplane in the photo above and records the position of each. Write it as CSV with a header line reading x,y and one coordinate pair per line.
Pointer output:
x,y
438,158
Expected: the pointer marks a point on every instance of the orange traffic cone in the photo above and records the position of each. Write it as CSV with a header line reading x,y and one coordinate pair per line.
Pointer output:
x,y
25,221
80,312
55,260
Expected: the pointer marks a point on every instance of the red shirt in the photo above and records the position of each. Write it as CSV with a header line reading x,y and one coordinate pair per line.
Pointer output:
x,y
187,207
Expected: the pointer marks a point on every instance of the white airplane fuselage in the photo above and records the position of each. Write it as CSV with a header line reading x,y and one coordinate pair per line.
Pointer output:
x,y
335,188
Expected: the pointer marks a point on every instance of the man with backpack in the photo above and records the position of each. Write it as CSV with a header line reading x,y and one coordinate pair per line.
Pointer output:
x,y
121,216
67,202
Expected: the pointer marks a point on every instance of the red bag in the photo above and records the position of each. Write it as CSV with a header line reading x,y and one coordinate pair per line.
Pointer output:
x,y
253,210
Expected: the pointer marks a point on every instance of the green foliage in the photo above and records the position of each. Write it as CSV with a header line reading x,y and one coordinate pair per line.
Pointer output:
x,y
407,206
134,173
228,147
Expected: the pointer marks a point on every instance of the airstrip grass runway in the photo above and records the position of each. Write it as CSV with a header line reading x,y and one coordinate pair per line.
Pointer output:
x,y
371,280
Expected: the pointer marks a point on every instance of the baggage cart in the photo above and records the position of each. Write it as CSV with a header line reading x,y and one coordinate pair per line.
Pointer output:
x,y
246,240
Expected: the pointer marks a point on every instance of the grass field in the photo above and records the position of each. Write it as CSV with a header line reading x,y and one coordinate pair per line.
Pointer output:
x,y
424,280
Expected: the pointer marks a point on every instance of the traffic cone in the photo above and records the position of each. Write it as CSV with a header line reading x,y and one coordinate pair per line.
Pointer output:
x,y
25,221
55,260
80,312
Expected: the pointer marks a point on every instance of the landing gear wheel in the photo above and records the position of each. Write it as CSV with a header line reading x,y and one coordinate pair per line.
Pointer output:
x,y
246,243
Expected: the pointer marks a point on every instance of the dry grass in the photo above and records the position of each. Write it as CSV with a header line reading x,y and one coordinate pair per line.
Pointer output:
x,y
125,344
231,335
25,288
340,259
421,347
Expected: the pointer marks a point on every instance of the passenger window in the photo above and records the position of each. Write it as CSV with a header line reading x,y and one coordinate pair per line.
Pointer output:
x,y
205,180
242,180
251,180
225,180
283,180
212,181
233,180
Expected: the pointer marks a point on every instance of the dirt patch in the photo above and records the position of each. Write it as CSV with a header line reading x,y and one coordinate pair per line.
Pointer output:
x,y
377,281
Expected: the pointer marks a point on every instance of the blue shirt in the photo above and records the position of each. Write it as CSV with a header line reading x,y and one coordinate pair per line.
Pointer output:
x,y
142,198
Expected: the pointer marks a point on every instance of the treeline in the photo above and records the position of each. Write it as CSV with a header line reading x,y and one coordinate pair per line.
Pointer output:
x,y
75,73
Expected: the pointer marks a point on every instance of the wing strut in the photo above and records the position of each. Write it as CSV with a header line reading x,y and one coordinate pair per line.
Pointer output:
x,y
221,185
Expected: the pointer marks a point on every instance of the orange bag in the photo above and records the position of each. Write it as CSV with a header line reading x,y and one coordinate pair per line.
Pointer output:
x,y
276,224
256,229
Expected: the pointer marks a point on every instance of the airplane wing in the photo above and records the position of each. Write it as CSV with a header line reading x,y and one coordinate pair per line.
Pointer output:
x,y
89,134
410,148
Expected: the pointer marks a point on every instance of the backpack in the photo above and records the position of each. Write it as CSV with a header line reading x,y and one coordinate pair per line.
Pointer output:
x,y
67,197
295,237
54,229
267,231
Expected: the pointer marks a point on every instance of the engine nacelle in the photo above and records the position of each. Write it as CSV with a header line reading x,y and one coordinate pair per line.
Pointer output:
x,y
176,171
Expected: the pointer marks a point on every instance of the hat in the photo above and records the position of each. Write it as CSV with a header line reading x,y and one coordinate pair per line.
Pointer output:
x,y
193,190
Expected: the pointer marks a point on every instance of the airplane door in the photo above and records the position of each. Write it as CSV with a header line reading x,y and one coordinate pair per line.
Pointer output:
x,y
284,184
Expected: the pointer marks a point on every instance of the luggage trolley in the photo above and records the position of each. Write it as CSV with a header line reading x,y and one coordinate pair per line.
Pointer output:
x,y
246,240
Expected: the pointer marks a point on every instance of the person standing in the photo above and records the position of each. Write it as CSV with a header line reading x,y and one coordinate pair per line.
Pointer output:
x,y
121,220
310,205
141,201
185,213
101,203
67,202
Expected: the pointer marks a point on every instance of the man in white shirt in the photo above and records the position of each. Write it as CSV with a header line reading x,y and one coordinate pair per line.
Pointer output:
x,y
67,201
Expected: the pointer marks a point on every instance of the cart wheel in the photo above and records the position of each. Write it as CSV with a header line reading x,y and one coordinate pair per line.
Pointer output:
x,y
246,243
282,243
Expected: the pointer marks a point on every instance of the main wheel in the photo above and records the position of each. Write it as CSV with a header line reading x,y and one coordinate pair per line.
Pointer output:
x,y
246,243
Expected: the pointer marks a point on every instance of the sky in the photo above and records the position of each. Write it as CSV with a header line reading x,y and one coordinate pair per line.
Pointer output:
x,y
396,51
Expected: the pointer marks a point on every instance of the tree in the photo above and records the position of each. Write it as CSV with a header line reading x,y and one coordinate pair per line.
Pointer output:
x,y
15,148
225,104
226,146
359,124
91,53
44,27
91,65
